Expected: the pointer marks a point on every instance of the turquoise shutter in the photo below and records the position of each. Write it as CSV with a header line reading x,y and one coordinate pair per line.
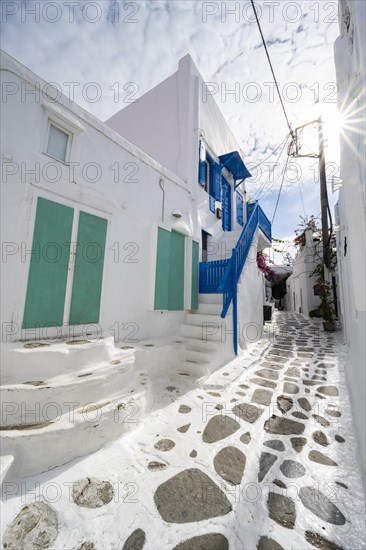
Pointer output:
x,y
176,272
169,275
48,268
162,270
239,209
195,277
202,164
88,273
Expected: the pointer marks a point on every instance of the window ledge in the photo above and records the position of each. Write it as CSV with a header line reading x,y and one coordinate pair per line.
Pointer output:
x,y
63,118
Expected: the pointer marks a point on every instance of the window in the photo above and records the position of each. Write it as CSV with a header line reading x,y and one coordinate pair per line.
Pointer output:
x,y
209,175
239,209
316,290
208,170
57,144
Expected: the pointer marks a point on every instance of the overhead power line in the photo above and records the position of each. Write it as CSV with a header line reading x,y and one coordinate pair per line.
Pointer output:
x,y
279,193
258,195
302,200
269,156
271,66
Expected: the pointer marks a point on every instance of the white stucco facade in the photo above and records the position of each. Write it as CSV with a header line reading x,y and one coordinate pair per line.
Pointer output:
x,y
59,163
351,207
108,176
301,296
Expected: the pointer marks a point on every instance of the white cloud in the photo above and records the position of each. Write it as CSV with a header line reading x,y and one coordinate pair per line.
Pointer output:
x,y
229,53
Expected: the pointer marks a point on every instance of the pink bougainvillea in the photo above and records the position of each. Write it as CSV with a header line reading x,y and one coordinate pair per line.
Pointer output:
x,y
269,273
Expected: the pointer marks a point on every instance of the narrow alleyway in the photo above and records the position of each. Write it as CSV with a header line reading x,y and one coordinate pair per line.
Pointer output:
x,y
262,455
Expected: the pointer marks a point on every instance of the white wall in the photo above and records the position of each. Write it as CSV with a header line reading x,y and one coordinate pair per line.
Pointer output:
x,y
302,282
132,209
168,121
350,69
250,303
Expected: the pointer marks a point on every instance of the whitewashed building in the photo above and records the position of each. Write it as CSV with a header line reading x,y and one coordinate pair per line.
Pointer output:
x,y
351,206
107,242
302,293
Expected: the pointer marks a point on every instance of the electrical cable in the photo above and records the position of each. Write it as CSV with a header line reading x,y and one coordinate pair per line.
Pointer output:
x,y
273,74
302,200
258,193
279,193
273,152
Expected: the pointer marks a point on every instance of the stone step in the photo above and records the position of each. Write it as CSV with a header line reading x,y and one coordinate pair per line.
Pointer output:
x,y
51,359
5,463
45,446
198,356
37,401
205,334
199,319
199,368
200,345
210,299
209,309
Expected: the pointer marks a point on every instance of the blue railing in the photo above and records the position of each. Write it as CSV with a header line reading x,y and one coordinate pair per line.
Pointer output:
x,y
222,276
211,274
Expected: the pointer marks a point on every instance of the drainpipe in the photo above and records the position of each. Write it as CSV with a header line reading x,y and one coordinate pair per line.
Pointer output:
x,y
161,181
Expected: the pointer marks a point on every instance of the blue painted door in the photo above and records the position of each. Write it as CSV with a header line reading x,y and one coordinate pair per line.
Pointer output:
x,y
226,205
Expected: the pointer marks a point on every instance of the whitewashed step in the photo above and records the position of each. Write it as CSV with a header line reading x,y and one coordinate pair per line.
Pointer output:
x,y
5,463
45,360
204,333
41,448
200,369
37,401
204,319
209,309
197,356
210,299
199,345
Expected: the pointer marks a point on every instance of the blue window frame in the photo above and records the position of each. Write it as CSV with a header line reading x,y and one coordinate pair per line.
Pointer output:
x,y
210,181
202,165
226,205
239,209
209,176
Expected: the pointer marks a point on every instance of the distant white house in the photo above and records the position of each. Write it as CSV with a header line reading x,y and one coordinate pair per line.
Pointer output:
x,y
302,293
350,216
117,235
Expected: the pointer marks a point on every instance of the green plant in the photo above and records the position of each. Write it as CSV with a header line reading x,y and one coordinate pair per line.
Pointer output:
x,y
325,294
315,313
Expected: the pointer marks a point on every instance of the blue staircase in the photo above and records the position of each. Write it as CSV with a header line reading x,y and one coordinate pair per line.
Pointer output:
x,y
222,276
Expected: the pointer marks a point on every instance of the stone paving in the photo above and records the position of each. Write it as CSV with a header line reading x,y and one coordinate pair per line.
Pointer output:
x,y
259,457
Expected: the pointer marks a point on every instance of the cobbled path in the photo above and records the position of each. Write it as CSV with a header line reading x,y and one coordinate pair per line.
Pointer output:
x,y
261,456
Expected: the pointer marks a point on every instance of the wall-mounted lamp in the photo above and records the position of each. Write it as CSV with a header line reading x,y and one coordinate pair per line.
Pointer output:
x,y
177,214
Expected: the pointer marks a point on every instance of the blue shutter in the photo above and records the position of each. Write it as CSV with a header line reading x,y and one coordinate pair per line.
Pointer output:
x,y
217,186
202,165
212,204
239,209
226,205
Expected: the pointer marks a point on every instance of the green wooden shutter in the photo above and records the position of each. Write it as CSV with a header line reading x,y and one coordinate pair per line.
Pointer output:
x,y
169,276
48,269
194,286
176,274
162,270
88,273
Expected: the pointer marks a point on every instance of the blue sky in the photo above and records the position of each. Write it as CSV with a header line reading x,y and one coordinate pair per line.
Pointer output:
x,y
137,44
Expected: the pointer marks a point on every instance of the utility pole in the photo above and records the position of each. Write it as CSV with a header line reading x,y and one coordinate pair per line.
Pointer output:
x,y
323,195
294,151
